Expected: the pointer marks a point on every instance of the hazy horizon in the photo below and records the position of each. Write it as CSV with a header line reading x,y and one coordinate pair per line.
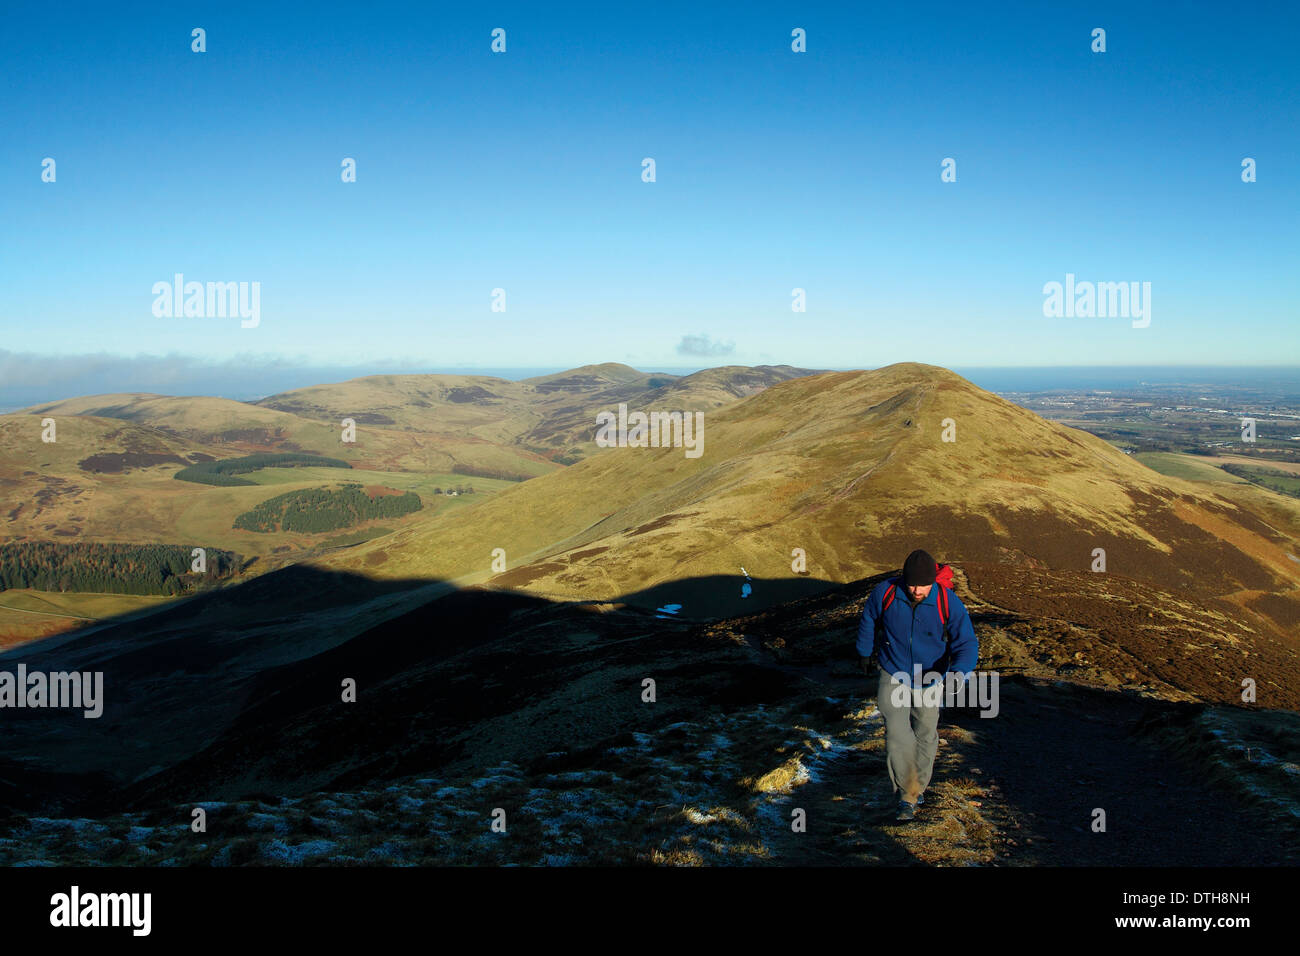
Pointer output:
x,y
33,380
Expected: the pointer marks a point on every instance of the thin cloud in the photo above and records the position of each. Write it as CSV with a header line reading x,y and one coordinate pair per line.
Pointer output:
x,y
704,346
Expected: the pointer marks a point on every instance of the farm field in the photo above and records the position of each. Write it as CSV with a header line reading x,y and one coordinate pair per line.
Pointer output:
x,y
26,614
1288,466
1189,467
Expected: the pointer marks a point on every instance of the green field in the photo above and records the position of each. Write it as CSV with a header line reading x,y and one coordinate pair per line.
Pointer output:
x,y
206,513
72,604
354,537
1188,467
27,615
1284,483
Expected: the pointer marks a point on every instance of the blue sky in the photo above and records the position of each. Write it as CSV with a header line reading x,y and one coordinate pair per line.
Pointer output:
x,y
775,170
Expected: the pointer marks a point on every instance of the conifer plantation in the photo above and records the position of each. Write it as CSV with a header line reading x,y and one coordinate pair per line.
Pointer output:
x,y
325,509
109,568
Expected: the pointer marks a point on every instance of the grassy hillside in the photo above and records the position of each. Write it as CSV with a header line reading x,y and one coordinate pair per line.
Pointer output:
x,y
1187,467
198,416
27,615
109,476
553,415
110,480
850,467
228,428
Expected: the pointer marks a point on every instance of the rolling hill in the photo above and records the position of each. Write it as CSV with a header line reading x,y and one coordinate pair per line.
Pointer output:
x,y
228,428
116,449
551,414
108,478
852,468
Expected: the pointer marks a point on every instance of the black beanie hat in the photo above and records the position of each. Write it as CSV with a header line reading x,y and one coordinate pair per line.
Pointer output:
x,y
918,570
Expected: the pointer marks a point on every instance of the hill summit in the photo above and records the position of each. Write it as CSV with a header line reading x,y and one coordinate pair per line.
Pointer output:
x,y
830,477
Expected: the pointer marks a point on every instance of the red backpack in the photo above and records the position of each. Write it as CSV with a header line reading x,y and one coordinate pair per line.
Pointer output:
x,y
943,578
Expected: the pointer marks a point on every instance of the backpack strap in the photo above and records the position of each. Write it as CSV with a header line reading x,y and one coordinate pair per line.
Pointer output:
x,y
942,601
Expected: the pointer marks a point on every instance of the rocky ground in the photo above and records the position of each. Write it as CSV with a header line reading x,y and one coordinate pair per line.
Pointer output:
x,y
759,722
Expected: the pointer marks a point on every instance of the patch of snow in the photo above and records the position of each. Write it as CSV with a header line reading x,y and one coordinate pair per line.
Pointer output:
x,y
695,816
385,851
268,821
280,852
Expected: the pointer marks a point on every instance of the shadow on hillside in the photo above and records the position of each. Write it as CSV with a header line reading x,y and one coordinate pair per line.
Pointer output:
x,y
1060,752
239,693
725,595
240,689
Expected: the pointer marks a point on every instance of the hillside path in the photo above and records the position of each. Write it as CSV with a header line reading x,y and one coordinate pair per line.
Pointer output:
x,y
1020,790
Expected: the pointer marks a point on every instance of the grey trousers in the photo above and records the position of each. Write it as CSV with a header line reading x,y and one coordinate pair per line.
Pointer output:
x,y
911,740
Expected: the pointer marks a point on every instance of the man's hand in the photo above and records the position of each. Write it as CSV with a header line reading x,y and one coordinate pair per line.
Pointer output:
x,y
869,666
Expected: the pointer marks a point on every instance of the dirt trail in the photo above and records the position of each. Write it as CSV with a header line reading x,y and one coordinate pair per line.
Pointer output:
x,y
74,617
1020,790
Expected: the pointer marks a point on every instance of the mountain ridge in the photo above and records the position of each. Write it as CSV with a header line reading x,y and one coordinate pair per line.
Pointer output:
x,y
851,467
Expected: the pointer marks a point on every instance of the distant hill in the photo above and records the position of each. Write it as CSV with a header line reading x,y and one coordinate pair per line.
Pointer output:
x,y
198,416
569,421
239,428
107,477
554,414
852,468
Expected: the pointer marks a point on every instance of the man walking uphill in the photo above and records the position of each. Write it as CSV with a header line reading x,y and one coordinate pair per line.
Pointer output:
x,y
917,630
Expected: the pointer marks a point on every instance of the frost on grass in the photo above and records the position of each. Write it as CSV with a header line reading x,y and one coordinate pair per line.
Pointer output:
x,y
682,794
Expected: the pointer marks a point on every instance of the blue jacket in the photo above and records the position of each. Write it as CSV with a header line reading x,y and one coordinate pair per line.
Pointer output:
x,y
915,636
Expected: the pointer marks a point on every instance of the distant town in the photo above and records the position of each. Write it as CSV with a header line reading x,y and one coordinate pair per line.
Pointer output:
x,y
1194,419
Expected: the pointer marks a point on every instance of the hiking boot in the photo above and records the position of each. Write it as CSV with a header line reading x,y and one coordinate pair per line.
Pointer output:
x,y
920,799
906,811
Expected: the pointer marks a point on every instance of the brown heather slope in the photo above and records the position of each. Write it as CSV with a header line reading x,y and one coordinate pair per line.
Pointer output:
x,y
238,428
571,413
110,475
426,423
77,487
851,467
197,417
106,479
550,413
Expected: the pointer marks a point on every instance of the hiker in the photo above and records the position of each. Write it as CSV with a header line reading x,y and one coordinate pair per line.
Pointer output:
x,y
914,629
